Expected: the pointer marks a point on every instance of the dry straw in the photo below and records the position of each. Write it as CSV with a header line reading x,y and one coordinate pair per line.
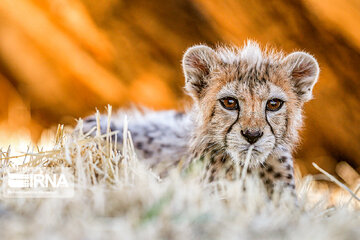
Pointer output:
x,y
117,196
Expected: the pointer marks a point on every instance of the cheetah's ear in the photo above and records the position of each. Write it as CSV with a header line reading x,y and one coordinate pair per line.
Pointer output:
x,y
198,62
304,72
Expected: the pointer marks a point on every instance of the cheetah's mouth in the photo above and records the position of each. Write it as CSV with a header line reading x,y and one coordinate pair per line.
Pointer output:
x,y
258,157
255,151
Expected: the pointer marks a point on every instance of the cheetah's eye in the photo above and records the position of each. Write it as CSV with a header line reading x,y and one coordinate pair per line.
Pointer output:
x,y
274,104
229,103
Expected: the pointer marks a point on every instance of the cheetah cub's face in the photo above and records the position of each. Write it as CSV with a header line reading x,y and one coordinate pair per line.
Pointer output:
x,y
247,97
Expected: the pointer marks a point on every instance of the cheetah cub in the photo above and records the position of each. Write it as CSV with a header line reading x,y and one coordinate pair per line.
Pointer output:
x,y
242,97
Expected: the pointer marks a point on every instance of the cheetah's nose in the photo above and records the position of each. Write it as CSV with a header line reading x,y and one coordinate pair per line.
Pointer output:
x,y
251,136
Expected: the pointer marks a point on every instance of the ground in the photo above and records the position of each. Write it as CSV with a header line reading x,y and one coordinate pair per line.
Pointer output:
x,y
117,196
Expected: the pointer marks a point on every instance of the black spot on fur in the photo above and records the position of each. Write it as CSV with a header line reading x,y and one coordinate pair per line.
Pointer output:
x,y
212,160
277,175
165,145
213,112
289,176
134,134
208,147
199,86
178,135
229,169
248,170
288,167
268,182
262,174
211,178
270,169
286,125
148,153
282,159
264,165
291,185
150,140
89,120
139,145
179,115
207,167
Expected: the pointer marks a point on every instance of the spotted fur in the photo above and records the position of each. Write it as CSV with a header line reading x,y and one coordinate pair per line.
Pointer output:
x,y
211,133
157,136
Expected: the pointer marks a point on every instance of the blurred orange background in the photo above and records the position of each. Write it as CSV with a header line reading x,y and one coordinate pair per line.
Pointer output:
x,y
59,59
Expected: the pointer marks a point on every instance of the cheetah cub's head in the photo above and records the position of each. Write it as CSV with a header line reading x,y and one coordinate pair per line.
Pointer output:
x,y
246,96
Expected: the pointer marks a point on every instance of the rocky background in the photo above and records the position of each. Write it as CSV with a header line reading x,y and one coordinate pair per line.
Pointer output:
x,y
59,59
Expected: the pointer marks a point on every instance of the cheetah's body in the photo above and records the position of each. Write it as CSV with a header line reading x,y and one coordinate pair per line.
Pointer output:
x,y
161,136
247,80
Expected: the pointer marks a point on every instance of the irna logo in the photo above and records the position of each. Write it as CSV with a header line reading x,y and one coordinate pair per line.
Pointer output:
x,y
38,182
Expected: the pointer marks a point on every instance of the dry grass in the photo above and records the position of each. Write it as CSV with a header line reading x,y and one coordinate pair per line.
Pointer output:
x,y
116,196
